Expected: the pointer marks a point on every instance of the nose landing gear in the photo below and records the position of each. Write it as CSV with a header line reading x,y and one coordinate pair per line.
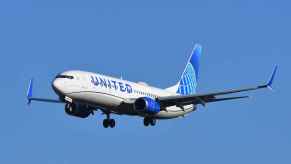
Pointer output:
x,y
108,122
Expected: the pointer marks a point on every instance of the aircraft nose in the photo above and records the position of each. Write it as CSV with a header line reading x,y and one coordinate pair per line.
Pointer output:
x,y
57,85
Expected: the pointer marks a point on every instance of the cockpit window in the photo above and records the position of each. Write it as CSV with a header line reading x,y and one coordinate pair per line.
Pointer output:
x,y
65,76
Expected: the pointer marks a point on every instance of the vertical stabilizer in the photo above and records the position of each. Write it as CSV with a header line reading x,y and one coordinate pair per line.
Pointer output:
x,y
189,80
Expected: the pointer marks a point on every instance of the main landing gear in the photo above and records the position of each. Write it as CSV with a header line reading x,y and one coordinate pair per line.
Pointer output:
x,y
108,122
149,121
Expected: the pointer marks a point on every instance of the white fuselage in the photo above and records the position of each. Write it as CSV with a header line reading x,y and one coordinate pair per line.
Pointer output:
x,y
112,94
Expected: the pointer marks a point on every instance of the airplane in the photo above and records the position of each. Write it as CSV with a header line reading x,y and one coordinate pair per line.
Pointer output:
x,y
83,93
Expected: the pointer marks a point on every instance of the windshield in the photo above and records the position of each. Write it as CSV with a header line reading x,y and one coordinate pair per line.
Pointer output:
x,y
65,76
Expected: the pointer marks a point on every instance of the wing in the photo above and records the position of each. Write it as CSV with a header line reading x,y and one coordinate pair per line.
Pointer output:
x,y
31,98
203,99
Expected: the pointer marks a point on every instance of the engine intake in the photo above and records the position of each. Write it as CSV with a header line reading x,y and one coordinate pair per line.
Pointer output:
x,y
147,105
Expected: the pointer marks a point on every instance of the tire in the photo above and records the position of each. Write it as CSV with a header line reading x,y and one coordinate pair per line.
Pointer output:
x,y
153,122
146,122
105,123
112,123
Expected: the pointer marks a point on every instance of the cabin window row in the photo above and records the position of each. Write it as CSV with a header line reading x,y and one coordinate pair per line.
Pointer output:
x,y
144,93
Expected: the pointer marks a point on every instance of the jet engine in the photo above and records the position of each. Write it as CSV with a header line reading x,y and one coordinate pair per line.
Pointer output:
x,y
147,105
78,110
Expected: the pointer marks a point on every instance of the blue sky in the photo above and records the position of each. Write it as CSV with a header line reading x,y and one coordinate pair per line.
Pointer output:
x,y
146,41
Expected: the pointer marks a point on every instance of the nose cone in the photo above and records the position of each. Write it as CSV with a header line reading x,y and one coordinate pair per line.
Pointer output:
x,y
57,86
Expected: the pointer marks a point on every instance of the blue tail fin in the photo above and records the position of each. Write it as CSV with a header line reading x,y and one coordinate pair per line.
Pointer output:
x,y
189,79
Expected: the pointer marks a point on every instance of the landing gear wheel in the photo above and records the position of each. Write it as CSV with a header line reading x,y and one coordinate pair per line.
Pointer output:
x,y
146,122
153,122
108,122
149,121
105,123
112,123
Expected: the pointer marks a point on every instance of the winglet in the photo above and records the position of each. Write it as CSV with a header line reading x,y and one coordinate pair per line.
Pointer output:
x,y
29,92
270,82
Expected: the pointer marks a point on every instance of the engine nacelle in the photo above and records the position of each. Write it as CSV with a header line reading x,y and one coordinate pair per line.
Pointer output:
x,y
147,105
78,110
